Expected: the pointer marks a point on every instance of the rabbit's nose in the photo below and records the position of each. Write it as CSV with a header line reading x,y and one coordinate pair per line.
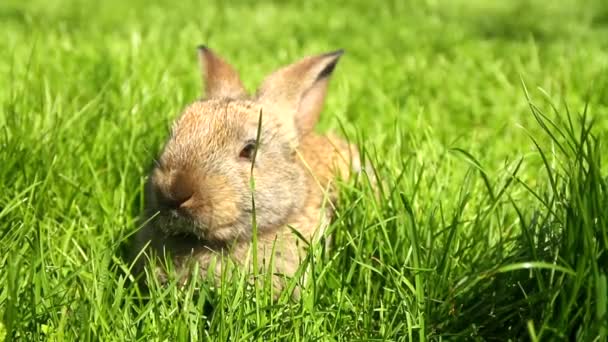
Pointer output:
x,y
179,190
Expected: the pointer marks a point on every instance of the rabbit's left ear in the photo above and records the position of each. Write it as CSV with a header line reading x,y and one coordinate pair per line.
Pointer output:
x,y
219,78
300,88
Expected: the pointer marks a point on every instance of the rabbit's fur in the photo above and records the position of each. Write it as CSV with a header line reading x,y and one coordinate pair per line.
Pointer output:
x,y
199,195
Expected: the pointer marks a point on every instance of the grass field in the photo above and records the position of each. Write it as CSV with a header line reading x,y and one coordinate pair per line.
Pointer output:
x,y
485,121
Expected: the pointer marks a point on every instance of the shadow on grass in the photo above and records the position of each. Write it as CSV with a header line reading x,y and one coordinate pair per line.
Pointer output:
x,y
553,284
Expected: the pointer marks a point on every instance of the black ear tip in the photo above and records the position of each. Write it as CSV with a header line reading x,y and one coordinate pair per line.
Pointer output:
x,y
202,48
336,53
328,70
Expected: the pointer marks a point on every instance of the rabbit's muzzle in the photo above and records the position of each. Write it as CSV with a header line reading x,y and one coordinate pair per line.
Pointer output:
x,y
204,206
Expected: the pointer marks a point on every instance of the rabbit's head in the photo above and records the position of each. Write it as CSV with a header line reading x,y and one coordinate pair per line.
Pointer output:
x,y
202,183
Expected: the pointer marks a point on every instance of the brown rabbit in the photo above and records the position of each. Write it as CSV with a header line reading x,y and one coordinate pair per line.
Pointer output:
x,y
199,196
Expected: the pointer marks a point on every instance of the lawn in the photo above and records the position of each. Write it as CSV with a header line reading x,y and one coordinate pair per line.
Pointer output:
x,y
486,123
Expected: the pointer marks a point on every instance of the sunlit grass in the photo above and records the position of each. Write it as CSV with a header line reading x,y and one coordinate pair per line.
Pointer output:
x,y
485,124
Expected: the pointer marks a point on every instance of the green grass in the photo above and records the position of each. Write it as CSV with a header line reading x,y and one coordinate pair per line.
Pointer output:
x,y
485,121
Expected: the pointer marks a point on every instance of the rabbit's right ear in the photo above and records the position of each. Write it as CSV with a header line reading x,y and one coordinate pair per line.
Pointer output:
x,y
219,78
299,89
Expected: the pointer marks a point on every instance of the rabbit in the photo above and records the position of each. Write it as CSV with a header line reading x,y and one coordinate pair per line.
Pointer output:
x,y
199,204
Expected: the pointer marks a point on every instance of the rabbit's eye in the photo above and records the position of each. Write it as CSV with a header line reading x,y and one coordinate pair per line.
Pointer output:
x,y
248,150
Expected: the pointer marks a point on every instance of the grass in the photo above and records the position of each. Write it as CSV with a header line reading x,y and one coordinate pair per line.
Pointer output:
x,y
486,123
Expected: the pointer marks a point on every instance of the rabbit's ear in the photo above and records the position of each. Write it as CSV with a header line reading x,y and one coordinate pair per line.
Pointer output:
x,y
300,88
219,78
